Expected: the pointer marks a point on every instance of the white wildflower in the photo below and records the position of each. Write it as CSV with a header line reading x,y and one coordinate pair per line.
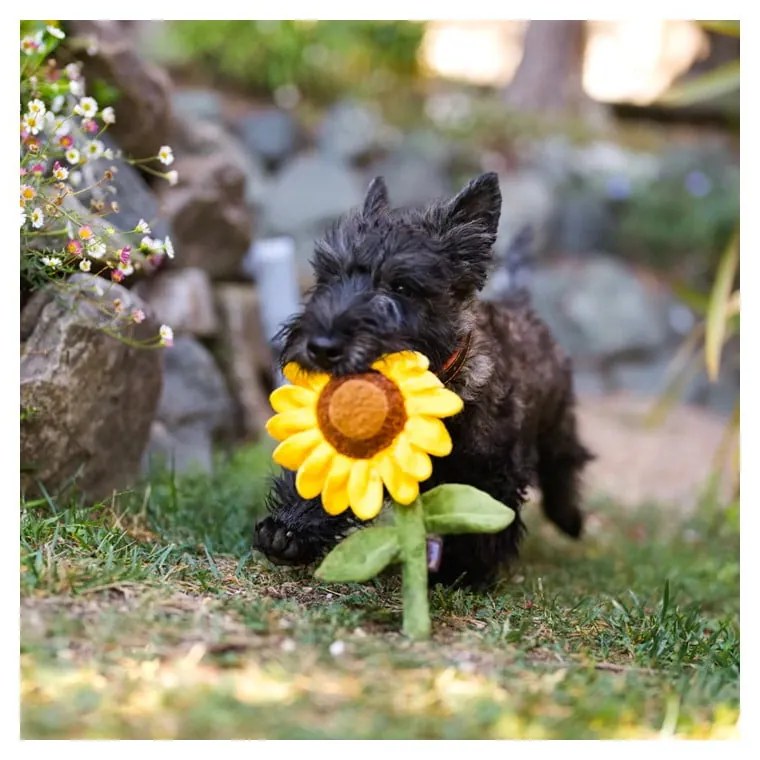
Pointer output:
x,y
32,123
108,115
37,217
72,156
87,107
94,149
165,155
85,265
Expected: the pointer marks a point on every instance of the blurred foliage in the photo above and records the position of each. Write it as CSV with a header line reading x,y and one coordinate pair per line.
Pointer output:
x,y
321,58
680,221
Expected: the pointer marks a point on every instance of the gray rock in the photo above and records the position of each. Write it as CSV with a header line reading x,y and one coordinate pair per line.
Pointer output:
x,y
271,133
90,396
182,298
308,193
245,354
209,217
350,130
207,139
194,389
143,111
600,309
197,104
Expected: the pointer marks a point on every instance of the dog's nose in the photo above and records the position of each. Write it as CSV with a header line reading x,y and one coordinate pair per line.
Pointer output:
x,y
324,350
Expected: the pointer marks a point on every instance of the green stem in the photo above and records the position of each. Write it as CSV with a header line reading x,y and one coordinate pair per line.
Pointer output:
x,y
413,540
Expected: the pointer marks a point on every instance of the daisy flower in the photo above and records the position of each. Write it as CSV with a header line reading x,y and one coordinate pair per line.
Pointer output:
x,y
85,265
37,217
108,115
165,155
72,156
94,149
87,107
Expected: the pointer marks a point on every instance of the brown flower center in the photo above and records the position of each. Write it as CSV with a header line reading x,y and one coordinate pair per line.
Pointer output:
x,y
361,415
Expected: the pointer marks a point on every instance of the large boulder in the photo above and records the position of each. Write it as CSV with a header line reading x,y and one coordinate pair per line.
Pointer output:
x,y
87,398
210,220
195,408
143,105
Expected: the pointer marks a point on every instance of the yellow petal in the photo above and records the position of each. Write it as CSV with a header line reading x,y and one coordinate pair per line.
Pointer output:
x,y
299,376
401,365
403,488
335,500
286,398
335,492
292,452
365,490
440,402
288,423
429,434
410,459
311,474
420,382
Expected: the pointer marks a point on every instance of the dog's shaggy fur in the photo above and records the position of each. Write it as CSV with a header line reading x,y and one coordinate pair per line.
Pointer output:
x,y
394,279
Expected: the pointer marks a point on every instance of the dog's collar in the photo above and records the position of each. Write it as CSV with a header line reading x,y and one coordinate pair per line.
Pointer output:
x,y
453,365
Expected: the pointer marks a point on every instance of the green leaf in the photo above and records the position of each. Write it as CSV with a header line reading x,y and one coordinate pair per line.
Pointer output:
x,y
457,508
728,28
723,305
720,81
361,556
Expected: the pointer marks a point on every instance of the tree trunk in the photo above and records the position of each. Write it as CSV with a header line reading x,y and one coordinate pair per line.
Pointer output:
x,y
549,78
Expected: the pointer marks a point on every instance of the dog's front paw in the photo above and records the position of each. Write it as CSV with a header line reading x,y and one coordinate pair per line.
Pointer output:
x,y
281,545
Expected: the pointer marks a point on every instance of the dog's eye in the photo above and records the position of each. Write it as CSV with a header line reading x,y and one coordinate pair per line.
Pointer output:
x,y
401,288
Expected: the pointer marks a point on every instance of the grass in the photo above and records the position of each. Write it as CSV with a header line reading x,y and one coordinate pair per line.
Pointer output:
x,y
149,617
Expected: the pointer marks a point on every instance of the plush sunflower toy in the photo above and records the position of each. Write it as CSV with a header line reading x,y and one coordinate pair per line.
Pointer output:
x,y
350,439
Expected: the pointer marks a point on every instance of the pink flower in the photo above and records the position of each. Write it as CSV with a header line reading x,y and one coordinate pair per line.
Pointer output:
x,y
66,141
124,254
138,315
90,126
38,170
85,233
74,247
117,275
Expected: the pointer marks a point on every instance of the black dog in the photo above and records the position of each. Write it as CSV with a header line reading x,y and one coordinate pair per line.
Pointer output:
x,y
394,279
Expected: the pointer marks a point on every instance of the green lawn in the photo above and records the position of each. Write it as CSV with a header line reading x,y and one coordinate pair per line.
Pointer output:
x,y
149,618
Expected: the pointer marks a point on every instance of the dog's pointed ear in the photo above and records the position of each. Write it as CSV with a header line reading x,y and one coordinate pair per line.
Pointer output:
x,y
479,201
376,200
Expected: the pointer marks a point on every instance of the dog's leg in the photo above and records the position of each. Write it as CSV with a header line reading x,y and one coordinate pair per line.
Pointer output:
x,y
561,458
297,531
475,560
